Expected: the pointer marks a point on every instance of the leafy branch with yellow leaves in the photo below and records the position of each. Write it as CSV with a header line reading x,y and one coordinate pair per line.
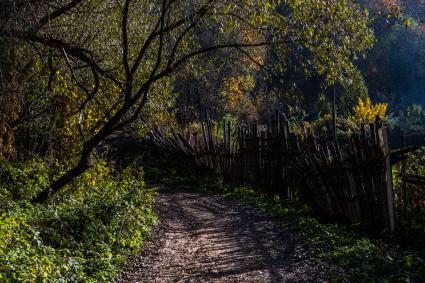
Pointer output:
x,y
366,112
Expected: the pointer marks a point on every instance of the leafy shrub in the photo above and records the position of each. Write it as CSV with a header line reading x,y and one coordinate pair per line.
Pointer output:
x,y
83,234
23,180
366,112
23,257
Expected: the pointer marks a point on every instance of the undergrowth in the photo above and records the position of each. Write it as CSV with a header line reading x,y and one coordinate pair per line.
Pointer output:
x,y
82,235
348,256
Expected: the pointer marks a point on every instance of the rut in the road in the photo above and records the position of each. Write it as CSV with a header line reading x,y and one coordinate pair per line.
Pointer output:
x,y
203,238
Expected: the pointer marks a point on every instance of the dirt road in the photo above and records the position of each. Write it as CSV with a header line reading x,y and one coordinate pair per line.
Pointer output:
x,y
203,238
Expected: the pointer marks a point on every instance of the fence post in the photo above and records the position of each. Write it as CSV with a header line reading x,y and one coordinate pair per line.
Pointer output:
x,y
241,140
403,169
389,180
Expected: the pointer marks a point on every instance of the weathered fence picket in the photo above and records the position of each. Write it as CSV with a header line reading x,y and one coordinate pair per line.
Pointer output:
x,y
349,181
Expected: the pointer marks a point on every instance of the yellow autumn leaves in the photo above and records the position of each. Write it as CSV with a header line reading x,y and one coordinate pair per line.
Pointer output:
x,y
70,99
235,88
365,111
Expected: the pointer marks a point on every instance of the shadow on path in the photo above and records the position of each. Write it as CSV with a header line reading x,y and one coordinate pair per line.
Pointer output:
x,y
204,238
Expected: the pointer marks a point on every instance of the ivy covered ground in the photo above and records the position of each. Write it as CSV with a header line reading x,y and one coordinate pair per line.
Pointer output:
x,y
82,235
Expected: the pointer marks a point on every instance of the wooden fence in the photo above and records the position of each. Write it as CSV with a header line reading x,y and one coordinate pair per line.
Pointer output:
x,y
348,180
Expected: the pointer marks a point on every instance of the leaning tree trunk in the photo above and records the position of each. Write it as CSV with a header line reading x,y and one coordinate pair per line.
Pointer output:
x,y
61,182
68,177
83,164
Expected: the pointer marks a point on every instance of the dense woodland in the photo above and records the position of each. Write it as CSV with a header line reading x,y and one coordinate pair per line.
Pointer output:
x,y
80,80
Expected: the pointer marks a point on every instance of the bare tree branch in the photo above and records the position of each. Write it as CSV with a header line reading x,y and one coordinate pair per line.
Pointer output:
x,y
56,14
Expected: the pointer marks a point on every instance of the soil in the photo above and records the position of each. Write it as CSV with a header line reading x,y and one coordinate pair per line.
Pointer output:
x,y
205,238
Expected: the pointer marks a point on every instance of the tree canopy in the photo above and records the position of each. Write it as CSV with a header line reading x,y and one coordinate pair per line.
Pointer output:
x,y
108,60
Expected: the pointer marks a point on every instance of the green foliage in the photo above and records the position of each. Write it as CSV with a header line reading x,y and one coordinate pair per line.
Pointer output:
x,y
23,257
159,109
410,199
317,39
347,255
335,33
82,235
351,91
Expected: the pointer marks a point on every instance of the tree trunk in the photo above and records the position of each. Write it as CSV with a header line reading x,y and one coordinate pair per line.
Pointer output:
x,y
83,164
59,183
69,176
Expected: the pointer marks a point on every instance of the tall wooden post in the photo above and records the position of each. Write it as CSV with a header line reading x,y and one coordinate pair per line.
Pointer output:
x,y
389,181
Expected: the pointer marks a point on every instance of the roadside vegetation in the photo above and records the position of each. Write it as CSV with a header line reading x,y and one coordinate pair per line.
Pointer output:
x,y
83,235
348,253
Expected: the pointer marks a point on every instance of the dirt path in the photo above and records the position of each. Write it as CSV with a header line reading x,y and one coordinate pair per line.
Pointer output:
x,y
211,239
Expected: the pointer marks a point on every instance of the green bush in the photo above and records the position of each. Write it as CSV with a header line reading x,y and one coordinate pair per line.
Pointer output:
x,y
22,180
83,234
23,257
